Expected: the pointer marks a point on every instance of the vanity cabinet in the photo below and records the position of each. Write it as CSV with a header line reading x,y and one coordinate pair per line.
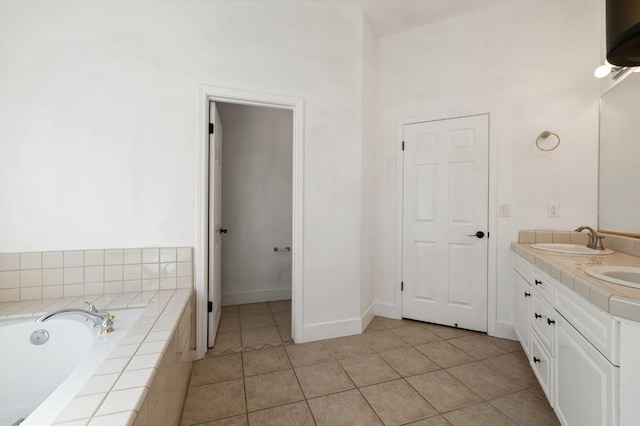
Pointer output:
x,y
572,346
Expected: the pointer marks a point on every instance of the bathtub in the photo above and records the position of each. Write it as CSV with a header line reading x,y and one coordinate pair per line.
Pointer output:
x,y
37,381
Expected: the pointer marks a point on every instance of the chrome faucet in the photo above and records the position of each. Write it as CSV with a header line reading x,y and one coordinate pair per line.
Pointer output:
x,y
101,319
595,240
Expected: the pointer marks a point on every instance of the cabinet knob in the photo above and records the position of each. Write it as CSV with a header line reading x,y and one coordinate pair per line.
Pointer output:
x,y
550,321
527,294
538,282
536,359
537,315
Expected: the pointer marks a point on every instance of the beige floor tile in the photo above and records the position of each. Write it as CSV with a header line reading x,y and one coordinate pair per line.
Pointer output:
x,y
218,369
282,318
478,346
445,354
506,344
280,306
309,353
526,409
230,310
368,370
514,366
416,335
537,391
227,340
229,421
260,336
214,401
409,362
229,323
269,390
265,361
446,332
297,414
483,380
256,321
431,421
397,403
478,415
375,325
285,332
443,391
348,347
386,340
323,379
343,409
254,309
395,323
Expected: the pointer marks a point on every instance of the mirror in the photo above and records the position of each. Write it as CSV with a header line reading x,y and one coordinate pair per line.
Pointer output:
x,y
619,170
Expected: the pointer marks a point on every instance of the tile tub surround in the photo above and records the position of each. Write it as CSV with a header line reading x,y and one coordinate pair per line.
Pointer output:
x,y
46,275
144,380
620,301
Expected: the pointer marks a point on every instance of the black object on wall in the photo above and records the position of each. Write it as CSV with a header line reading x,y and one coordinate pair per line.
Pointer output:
x,y
623,32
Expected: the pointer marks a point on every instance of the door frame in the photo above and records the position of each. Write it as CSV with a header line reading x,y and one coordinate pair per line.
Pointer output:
x,y
208,94
492,213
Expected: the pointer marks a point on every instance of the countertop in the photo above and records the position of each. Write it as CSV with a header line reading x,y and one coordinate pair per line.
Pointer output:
x,y
569,269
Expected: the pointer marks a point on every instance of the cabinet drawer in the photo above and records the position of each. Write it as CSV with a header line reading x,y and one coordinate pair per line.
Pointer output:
x,y
543,321
523,267
544,284
597,326
542,365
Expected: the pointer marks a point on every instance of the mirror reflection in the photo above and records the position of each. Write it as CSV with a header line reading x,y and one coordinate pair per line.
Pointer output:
x,y
619,174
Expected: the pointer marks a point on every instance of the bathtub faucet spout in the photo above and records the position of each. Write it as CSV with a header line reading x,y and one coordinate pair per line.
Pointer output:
x,y
104,320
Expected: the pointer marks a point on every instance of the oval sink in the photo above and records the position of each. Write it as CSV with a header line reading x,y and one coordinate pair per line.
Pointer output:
x,y
569,248
624,275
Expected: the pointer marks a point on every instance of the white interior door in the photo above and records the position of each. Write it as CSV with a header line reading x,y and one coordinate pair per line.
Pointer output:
x,y
445,221
215,223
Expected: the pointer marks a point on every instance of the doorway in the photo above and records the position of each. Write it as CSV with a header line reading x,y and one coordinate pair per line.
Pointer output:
x,y
250,221
445,221
206,301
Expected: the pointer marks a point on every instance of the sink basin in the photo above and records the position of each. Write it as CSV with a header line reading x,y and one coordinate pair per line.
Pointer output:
x,y
624,275
569,248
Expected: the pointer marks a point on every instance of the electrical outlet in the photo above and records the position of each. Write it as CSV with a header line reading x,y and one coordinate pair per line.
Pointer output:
x,y
505,210
553,209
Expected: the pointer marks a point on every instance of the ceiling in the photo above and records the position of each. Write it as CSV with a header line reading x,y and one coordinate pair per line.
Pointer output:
x,y
391,16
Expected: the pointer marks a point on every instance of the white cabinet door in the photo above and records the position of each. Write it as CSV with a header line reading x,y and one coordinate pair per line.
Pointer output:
x,y
522,309
586,390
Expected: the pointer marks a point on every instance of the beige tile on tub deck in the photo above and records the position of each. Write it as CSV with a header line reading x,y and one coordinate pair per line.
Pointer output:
x,y
343,409
397,403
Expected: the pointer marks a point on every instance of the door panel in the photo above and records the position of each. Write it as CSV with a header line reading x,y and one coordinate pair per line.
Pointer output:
x,y
445,202
215,223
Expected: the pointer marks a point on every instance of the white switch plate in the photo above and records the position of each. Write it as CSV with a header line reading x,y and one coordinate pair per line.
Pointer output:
x,y
553,209
505,210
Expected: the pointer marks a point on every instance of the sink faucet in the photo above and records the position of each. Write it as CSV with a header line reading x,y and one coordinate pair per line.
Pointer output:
x,y
104,320
595,240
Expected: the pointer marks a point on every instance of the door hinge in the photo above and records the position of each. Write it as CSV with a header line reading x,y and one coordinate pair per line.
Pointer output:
x,y
209,306
487,234
401,285
210,128
403,145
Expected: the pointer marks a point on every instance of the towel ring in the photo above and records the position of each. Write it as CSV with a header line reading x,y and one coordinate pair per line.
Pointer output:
x,y
545,135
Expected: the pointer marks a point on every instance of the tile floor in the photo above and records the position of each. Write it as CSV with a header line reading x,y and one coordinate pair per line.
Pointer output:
x,y
398,372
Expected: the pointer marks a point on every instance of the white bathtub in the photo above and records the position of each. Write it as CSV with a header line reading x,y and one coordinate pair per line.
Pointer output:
x,y
37,381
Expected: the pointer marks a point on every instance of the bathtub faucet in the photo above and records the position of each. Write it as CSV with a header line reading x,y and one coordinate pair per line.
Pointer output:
x,y
101,319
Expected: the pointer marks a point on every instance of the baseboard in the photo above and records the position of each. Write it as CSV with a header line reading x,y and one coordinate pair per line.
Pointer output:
x,y
505,330
329,330
387,310
366,318
255,296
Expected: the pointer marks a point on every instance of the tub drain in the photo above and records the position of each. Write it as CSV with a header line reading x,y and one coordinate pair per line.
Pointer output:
x,y
39,337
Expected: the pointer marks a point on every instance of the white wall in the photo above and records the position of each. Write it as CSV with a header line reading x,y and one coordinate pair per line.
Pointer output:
x,y
530,64
257,177
99,116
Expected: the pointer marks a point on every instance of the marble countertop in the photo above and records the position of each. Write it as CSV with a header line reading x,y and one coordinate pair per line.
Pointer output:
x,y
569,269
